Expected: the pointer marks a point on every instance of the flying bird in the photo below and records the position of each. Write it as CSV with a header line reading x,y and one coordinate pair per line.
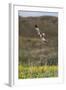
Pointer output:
x,y
42,35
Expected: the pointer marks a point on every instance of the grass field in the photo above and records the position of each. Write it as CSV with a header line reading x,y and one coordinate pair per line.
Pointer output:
x,y
37,60
37,71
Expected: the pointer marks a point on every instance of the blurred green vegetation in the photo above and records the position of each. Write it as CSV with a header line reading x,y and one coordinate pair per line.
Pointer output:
x,y
37,71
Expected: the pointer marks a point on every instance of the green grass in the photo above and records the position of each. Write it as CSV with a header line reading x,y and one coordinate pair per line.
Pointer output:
x,y
37,71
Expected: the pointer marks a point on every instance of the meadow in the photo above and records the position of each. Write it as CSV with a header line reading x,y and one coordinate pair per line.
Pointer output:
x,y
37,72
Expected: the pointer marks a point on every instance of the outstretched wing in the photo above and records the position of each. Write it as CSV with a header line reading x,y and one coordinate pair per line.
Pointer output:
x,y
42,35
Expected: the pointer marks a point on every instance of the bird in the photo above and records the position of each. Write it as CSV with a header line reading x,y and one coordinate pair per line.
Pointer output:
x,y
42,35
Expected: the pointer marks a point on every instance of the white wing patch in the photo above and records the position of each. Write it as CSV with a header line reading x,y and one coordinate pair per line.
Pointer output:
x,y
42,35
